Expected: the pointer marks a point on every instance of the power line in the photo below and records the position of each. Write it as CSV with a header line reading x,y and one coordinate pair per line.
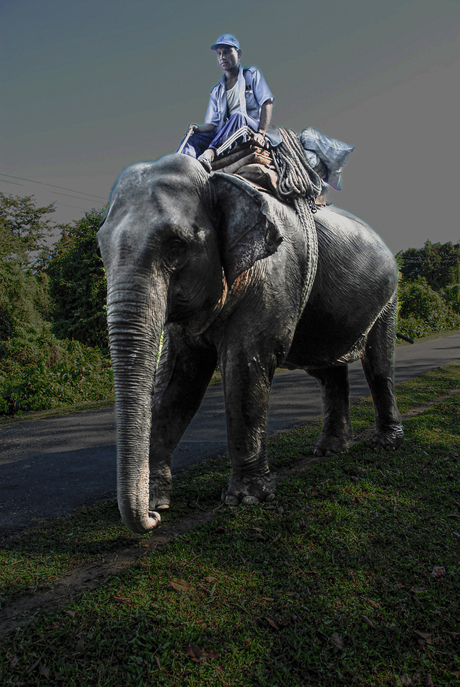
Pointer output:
x,y
70,206
66,205
4,181
34,181
69,196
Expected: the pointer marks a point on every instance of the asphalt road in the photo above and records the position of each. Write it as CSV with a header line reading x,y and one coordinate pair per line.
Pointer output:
x,y
51,466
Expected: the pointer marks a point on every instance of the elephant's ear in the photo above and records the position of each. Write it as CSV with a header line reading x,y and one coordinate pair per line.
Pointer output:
x,y
248,230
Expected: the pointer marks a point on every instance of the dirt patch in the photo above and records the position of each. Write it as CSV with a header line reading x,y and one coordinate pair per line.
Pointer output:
x,y
426,406
23,610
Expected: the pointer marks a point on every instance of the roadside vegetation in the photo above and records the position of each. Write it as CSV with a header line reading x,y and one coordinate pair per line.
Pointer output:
x,y
53,336
53,341
429,289
350,577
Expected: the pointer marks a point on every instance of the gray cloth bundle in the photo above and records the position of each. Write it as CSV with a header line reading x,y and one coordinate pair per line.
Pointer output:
x,y
333,153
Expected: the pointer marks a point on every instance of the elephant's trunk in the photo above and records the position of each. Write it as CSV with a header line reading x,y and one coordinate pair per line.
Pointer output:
x,y
135,319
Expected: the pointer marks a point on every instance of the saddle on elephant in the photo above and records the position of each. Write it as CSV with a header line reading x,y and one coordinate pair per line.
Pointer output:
x,y
324,157
251,162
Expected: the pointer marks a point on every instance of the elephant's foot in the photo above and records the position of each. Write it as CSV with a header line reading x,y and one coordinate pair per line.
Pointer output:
x,y
249,491
328,444
160,489
389,438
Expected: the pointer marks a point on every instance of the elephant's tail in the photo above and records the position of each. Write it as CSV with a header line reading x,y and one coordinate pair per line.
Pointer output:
x,y
404,337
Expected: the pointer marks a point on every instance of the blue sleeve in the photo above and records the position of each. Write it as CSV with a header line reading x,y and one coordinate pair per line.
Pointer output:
x,y
212,113
262,92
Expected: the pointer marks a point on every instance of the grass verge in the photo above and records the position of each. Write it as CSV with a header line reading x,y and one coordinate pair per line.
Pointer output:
x,y
331,585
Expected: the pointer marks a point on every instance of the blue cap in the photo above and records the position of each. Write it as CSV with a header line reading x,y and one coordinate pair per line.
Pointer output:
x,y
226,39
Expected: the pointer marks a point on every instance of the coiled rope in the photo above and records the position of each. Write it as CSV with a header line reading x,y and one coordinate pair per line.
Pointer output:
x,y
299,185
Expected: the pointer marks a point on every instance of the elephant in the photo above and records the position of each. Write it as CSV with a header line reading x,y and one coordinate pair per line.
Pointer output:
x,y
218,267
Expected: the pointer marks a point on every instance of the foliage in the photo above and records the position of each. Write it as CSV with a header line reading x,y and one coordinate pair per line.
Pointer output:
x,y
451,295
438,263
39,371
423,311
23,230
24,294
24,297
78,284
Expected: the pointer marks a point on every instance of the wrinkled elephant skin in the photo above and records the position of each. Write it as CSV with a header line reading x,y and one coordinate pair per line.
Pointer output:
x,y
219,266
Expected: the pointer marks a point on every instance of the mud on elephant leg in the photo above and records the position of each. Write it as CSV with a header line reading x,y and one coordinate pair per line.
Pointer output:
x,y
247,380
337,432
181,381
378,364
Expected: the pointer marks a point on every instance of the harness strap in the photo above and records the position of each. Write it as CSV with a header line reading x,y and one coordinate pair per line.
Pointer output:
x,y
299,185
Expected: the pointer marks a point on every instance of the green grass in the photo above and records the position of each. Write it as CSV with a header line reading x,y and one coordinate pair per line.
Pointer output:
x,y
329,585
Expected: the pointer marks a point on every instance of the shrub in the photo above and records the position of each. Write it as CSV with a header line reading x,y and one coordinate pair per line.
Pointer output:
x,y
38,371
423,311
451,295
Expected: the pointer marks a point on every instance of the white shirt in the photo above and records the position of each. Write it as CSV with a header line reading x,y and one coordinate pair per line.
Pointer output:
x,y
233,100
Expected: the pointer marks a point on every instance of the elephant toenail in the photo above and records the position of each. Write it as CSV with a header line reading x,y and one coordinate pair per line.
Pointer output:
x,y
250,501
155,516
231,500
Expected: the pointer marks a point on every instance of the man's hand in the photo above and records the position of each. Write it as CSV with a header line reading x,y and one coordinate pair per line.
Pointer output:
x,y
259,138
203,129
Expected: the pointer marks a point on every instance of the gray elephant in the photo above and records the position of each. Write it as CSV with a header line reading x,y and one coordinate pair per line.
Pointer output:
x,y
220,267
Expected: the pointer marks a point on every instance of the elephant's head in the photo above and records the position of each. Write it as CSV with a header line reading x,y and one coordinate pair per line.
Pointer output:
x,y
169,236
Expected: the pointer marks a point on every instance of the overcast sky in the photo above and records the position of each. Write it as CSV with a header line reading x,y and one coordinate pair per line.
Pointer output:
x,y
92,86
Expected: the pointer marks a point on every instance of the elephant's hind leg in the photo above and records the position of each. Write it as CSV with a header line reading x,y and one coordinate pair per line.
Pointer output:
x,y
337,432
378,364
182,378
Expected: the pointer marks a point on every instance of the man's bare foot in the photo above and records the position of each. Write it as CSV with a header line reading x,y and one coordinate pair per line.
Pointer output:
x,y
208,156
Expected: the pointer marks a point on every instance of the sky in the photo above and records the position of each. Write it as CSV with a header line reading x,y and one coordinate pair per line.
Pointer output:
x,y
89,87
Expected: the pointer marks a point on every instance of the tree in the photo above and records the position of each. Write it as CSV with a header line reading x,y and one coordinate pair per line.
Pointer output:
x,y
78,284
38,370
23,229
24,295
438,263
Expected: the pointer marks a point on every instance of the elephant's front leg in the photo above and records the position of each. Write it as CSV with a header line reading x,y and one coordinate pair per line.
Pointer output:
x,y
247,380
182,378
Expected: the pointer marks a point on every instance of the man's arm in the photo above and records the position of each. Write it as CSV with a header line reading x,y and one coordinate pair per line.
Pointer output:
x,y
265,116
265,119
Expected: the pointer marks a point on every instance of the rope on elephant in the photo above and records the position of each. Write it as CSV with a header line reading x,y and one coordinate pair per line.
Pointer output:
x,y
299,185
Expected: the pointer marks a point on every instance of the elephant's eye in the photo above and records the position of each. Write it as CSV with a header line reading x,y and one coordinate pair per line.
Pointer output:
x,y
174,251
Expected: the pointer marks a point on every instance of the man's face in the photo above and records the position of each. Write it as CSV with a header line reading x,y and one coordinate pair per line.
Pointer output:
x,y
227,57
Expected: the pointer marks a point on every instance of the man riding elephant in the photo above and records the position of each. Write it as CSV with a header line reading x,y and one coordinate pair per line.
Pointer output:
x,y
241,98
240,106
